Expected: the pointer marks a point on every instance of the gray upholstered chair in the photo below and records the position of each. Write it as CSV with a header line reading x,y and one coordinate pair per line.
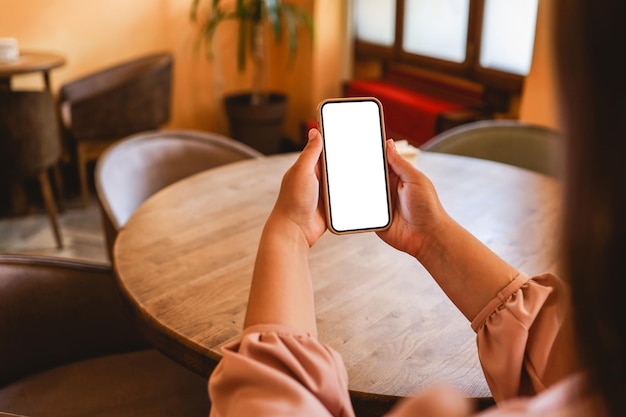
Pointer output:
x,y
133,169
68,349
511,142
30,145
112,103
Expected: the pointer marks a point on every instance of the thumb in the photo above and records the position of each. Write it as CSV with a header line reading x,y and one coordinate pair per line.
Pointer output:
x,y
400,166
311,152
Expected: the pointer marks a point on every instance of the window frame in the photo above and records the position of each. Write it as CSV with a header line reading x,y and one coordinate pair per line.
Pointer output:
x,y
469,69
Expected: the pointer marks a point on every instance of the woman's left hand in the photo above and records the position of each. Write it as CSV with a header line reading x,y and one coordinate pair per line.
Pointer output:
x,y
299,199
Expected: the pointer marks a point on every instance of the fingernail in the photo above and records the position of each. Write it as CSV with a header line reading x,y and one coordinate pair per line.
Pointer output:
x,y
312,133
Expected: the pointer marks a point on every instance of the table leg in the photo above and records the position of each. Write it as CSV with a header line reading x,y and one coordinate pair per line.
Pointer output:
x,y
46,79
60,189
51,209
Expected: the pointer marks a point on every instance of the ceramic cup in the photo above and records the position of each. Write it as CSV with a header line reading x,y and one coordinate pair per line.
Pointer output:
x,y
8,50
407,150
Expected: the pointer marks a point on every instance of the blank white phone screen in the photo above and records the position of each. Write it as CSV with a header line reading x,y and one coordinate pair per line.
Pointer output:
x,y
355,165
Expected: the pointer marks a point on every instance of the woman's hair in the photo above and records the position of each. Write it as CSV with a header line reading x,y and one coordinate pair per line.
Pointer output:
x,y
589,40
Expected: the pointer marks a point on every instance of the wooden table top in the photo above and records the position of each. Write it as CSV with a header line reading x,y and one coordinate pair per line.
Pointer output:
x,y
185,258
31,61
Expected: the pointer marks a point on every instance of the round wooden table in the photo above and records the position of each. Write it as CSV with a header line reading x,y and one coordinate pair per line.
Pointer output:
x,y
27,62
184,262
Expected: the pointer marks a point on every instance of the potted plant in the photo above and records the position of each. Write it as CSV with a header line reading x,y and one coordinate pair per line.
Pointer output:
x,y
255,117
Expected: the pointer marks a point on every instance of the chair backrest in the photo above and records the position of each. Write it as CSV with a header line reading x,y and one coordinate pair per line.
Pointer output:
x,y
29,133
133,169
512,142
55,311
126,98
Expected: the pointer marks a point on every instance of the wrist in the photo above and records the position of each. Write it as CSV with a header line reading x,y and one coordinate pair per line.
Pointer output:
x,y
436,239
281,228
468,271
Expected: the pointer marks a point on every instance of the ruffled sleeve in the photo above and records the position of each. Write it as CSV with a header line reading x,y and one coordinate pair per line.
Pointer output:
x,y
524,337
278,371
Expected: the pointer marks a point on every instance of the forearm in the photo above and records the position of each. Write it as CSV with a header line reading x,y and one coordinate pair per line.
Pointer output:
x,y
466,269
281,290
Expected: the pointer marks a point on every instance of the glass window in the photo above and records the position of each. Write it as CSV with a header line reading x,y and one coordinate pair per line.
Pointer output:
x,y
436,29
375,21
490,42
508,35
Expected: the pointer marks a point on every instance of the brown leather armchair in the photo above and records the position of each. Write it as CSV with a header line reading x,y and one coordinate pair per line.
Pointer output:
x,y
30,145
117,101
68,349
133,169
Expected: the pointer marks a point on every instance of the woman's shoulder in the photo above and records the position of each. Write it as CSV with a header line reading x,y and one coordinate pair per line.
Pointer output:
x,y
568,398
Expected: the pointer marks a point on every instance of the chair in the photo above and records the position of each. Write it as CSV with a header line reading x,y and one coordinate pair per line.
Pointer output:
x,y
133,169
112,103
30,145
68,348
511,142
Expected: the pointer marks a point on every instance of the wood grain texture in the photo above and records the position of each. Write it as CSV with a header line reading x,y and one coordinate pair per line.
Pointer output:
x,y
184,263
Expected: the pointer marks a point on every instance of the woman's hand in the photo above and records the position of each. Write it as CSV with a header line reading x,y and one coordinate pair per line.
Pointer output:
x,y
299,200
467,270
281,290
417,211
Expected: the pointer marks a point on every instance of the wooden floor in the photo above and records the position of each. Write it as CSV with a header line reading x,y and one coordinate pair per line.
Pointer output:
x,y
80,227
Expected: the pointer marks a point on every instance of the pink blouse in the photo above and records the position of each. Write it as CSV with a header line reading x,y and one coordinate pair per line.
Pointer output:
x,y
524,343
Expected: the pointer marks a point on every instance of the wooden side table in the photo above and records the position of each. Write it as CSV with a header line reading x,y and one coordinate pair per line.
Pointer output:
x,y
29,62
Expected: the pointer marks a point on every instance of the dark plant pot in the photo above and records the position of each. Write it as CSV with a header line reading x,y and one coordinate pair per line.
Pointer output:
x,y
259,126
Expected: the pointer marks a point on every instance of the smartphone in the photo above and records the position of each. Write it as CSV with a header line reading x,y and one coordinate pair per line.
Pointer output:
x,y
354,165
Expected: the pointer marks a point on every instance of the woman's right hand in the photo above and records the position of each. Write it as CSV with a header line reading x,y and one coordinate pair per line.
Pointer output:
x,y
467,270
417,211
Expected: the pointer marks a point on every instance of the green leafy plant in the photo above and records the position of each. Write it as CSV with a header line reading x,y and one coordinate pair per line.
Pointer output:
x,y
254,17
